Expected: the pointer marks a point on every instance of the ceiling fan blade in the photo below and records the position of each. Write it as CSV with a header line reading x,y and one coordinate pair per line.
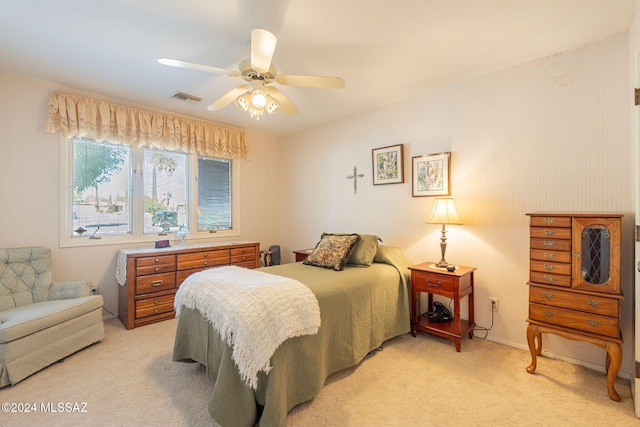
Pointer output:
x,y
284,104
198,67
263,44
228,97
324,82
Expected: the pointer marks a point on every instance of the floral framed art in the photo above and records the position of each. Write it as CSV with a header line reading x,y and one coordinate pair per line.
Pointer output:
x,y
388,166
431,175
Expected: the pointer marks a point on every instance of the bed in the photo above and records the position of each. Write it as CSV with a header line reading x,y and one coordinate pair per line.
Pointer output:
x,y
360,308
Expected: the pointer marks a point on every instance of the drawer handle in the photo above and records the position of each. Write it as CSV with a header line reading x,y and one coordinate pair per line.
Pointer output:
x,y
156,283
156,301
157,269
206,255
206,262
548,278
549,243
434,284
547,295
594,323
549,255
550,232
155,311
244,258
549,221
549,266
547,313
157,260
593,304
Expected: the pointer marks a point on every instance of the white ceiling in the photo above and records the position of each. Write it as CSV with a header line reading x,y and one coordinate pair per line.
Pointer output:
x,y
385,50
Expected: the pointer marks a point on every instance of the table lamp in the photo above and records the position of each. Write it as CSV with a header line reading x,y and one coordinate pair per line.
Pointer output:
x,y
444,212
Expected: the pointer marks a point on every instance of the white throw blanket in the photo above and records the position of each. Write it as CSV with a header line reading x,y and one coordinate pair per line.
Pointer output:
x,y
253,311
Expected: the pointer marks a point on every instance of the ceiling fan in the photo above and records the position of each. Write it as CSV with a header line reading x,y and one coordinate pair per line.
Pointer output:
x,y
257,96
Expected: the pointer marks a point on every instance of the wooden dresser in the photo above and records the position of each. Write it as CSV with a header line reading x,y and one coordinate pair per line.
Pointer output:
x,y
154,275
574,283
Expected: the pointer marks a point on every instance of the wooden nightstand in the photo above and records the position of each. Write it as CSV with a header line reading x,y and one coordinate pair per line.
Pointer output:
x,y
302,254
455,285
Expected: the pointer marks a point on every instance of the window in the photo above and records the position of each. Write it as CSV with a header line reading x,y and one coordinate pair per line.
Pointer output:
x,y
117,194
100,189
214,194
165,191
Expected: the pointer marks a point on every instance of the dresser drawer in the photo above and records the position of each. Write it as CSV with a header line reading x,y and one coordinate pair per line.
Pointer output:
x,y
550,267
575,301
243,251
151,306
154,283
244,258
203,259
572,319
552,256
183,274
550,279
157,264
551,244
433,283
550,233
550,221
246,264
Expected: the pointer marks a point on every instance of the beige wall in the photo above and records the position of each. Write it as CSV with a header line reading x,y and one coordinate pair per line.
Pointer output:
x,y
553,134
29,188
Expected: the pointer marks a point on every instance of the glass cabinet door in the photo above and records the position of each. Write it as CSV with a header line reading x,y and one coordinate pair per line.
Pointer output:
x,y
596,254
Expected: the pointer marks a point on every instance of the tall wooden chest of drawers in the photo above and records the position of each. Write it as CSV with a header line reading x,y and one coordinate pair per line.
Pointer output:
x,y
154,276
574,283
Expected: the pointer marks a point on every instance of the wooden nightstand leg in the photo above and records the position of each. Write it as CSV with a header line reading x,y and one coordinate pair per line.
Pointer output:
x,y
614,360
532,334
457,342
414,312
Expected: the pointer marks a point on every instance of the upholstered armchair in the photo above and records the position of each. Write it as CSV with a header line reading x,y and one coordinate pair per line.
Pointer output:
x,y
41,321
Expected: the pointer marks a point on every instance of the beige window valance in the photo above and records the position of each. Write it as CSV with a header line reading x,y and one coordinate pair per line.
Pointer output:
x,y
78,116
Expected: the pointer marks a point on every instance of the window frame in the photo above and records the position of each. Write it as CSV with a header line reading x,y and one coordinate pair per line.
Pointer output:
x,y
137,235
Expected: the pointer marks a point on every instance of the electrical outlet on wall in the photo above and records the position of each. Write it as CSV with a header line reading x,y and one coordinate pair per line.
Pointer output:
x,y
494,303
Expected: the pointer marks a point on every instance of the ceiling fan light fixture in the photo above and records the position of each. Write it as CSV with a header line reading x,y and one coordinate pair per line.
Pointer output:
x,y
272,106
242,102
258,98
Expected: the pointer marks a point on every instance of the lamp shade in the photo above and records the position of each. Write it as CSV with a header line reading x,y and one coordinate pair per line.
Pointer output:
x,y
444,212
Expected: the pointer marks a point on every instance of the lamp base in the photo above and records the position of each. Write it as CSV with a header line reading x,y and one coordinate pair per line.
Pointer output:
x,y
442,264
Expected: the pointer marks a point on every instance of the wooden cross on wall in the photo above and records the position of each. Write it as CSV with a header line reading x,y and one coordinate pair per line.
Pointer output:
x,y
355,177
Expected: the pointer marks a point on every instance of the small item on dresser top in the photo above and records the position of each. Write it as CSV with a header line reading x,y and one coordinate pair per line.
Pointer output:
x,y
162,244
451,268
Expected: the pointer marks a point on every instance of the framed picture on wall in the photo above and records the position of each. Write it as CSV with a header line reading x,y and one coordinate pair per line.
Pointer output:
x,y
388,165
430,175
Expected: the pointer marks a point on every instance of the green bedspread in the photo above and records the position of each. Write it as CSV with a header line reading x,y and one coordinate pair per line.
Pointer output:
x,y
360,308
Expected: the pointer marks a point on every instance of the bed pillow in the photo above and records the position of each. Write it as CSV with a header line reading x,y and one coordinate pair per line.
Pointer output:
x,y
364,251
332,251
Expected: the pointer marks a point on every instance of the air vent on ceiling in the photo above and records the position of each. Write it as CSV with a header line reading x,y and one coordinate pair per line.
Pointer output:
x,y
186,97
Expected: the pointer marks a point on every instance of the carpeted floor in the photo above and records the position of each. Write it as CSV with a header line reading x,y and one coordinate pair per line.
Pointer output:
x,y
128,379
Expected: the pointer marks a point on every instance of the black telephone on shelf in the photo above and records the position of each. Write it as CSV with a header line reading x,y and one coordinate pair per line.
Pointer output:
x,y
441,314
